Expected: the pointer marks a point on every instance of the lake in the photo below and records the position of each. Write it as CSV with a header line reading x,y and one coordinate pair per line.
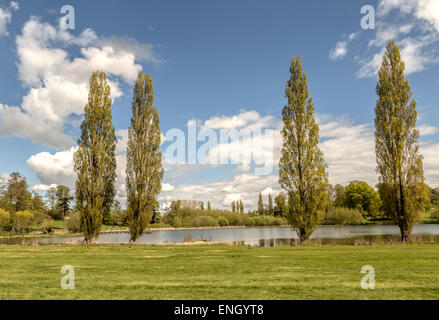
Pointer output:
x,y
263,237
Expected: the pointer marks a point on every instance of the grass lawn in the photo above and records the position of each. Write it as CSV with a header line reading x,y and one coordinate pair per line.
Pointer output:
x,y
219,272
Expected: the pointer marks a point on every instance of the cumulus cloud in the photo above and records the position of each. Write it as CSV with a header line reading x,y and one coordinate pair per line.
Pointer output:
x,y
414,25
6,17
348,148
58,83
340,49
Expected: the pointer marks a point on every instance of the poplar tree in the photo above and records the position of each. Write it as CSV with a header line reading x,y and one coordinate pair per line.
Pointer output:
x,y
260,205
241,206
396,145
208,206
270,205
144,160
233,206
302,169
95,160
202,206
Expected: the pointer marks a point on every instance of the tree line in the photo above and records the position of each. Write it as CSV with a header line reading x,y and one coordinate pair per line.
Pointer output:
x,y
402,194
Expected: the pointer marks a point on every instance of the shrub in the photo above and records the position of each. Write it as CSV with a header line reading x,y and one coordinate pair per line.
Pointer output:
x,y
223,222
206,221
5,219
73,223
344,216
23,221
120,218
47,226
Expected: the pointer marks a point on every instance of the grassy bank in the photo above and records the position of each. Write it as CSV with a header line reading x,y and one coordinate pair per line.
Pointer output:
x,y
220,272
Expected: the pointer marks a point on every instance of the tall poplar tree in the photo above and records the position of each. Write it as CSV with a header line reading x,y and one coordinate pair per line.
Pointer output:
x,y
241,206
144,160
233,206
396,145
260,205
270,205
302,169
95,160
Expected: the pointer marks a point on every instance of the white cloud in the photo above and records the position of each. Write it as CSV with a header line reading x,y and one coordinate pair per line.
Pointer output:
x,y
339,51
6,17
58,83
54,168
414,25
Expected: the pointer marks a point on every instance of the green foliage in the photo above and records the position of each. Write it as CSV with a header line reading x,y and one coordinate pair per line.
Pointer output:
x,y
5,219
63,199
47,226
359,195
261,210
233,206
144,160
270,205
16,197
178,217
280,209
95,160
434,196
223,221
73,222
302,169
241,206
22,221
343,216
402,188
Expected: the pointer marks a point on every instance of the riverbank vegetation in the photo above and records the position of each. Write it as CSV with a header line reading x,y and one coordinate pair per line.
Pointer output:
x,y
219,272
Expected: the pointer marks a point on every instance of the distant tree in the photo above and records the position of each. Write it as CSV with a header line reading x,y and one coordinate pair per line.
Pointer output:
x,y
22,221
397,145
156,216
202,206
280,208
302,169
63,199
51,200
434,196
260,205
241,206
233,206
38,203
208,206
359,195
339,196
270,205
144,160
95,160
16,195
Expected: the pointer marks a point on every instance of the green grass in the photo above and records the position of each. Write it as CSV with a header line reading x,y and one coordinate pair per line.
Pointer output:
x,y
219,272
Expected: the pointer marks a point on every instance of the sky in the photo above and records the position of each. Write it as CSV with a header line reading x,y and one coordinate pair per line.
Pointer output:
x,y
222,64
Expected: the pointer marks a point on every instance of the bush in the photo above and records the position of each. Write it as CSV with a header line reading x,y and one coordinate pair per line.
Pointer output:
x,y
206,221
5,219
47,226
22,221
73,223
223,222
344,216
120,218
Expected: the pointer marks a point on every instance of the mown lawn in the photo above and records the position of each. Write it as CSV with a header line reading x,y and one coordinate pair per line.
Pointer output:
x,y
219,272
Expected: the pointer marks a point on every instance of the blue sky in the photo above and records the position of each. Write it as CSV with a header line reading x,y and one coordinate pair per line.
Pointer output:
x,y
209,60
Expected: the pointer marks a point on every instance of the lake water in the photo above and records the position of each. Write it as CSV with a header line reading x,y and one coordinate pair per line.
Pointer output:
x,y
263,237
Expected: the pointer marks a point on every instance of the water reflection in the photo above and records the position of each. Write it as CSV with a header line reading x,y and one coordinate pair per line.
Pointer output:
x,y
262,237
